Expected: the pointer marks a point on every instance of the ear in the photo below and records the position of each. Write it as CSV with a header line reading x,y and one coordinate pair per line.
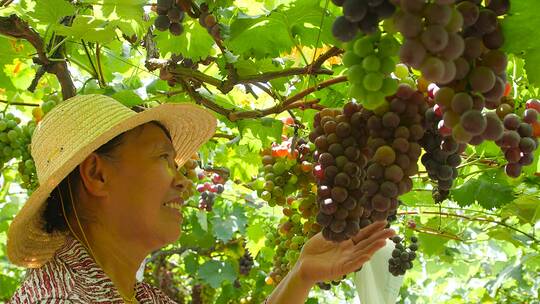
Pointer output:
x,y
94,175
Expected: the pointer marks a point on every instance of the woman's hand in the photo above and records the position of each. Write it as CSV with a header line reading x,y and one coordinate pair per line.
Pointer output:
x,y
322,260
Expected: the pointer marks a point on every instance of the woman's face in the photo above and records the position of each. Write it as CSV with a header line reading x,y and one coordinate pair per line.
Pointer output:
x,y
143,179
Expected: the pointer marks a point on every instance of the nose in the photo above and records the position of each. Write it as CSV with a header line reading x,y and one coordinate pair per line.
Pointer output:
x,y
181,183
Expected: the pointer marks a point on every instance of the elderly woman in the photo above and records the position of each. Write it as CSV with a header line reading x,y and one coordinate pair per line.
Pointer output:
x,y
109,195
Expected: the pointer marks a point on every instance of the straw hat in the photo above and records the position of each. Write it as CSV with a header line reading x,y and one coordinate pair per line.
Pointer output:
x,y
69,133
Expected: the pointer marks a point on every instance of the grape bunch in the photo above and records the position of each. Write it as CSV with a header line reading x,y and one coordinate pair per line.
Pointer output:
x,y
432,43
462,116
15,144
208,21
285,171
339,137
245,263
535,105
393,152
517,141
287,241
26,165
209,190
442,154
402,257
363,16
483,37
170,17
370,61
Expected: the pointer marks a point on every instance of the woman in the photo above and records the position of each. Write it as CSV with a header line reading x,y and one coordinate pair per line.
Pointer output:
x,y
109,195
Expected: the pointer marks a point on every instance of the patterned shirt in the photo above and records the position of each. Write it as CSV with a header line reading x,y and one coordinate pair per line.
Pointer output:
x,y
72,276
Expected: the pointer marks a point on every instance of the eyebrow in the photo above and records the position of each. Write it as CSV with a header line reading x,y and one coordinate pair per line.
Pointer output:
x,y
165,146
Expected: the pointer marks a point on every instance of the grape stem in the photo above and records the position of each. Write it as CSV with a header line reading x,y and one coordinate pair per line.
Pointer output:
x,y
477,219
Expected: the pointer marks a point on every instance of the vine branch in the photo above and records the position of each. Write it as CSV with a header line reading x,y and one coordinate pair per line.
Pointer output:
x,y
15,27
478,219
19,103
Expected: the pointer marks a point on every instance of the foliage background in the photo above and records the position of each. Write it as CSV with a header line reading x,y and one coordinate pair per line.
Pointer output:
x,y
480,246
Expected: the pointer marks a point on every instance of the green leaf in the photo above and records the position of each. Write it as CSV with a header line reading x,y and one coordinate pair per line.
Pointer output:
x,y
289,25
505,235
487,149
9,286
490,190
259,133
242,161
88,28
192,263
194,43
51,11
255,233
525,207
413,198
521,21
203,219
120,9
223,228
128,98
216,272
226,222
193,235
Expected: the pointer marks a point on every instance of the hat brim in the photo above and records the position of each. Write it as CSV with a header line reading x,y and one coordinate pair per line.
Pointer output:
x,y
29,245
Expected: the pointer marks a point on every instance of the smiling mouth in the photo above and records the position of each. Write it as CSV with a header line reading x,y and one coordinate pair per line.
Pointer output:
x,y
175,204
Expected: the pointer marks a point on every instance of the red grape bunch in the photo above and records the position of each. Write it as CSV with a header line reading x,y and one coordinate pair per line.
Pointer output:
x,y
462,116
484,61
170,17
339,137
517,141
442,156
370,61
363,16
245,263
432,43
209,190
402,257
393,151
208,21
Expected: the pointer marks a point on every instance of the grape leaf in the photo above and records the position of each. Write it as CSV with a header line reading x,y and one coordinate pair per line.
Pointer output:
x,y
9,285
525,207
255,234
197,237
227,221
124,9
51,11
88,28
216,272
194,43
259,133
521,21
281,30
489,190
128,98
191,262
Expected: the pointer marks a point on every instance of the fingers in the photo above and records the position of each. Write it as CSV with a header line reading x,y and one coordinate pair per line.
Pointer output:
x,y
367,231
381,235
371,248
354,264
